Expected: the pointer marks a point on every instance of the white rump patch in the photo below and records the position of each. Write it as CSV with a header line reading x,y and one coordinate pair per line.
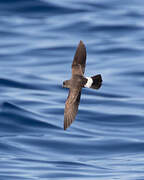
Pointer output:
x,y
89,82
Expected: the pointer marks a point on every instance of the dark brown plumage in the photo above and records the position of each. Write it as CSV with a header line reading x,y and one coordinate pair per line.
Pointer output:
x,y
79,59
76,83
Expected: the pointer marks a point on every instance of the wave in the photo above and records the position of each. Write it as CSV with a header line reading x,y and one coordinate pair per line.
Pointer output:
x,y
14,119
36,8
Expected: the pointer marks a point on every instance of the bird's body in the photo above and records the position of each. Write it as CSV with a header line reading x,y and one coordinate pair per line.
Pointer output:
x,y
76,83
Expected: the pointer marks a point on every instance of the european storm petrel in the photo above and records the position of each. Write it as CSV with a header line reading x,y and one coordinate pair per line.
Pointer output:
x,y
76,83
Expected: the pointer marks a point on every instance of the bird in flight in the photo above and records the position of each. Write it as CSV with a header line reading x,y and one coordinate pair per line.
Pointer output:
x,y
76,83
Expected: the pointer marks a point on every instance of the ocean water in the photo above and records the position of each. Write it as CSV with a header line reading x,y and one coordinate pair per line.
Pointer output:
x,y
38,39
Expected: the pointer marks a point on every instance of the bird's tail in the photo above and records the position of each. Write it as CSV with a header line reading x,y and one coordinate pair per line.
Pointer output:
x,y
97,81
94,82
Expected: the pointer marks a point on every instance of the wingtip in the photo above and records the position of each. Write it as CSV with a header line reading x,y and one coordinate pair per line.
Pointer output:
x,y
81,42
65,127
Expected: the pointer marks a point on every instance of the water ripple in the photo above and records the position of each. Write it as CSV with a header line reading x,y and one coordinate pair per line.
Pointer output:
x,y
38,42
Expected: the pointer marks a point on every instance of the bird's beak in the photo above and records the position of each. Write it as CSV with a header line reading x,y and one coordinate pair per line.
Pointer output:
x,y
63,86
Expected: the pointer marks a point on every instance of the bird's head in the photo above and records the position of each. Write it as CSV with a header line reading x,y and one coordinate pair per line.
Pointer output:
x,y
66,84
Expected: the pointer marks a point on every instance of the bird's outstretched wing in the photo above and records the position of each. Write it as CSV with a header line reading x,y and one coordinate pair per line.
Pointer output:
x,y
79,62
71,106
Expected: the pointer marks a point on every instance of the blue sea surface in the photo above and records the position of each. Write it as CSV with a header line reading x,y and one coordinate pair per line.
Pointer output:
x,y
38,39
